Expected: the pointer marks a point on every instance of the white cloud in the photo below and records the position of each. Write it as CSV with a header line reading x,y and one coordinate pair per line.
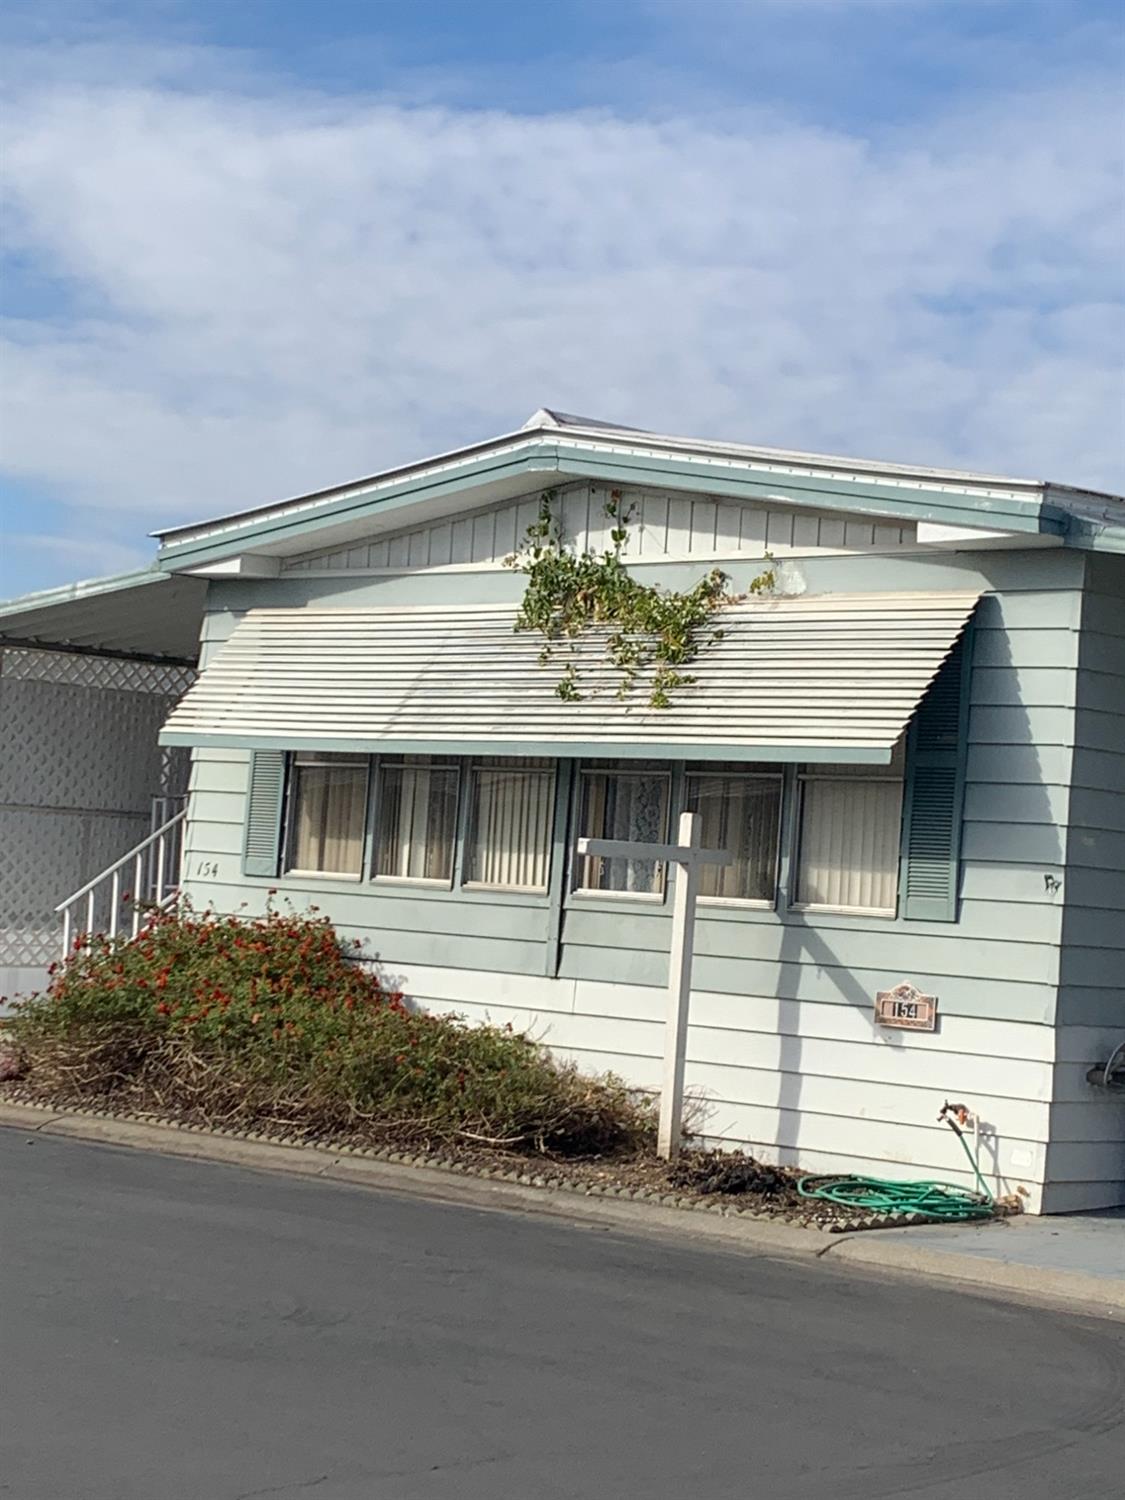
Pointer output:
x,y
268,294
92,556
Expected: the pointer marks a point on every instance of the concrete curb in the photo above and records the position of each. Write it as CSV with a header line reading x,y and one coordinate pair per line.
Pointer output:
x,y
731,1230
1101,1295
866,1254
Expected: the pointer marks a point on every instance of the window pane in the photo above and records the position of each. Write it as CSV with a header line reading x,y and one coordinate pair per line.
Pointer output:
x,y
740,814
512,812
620,805
330,809
849,843
417,820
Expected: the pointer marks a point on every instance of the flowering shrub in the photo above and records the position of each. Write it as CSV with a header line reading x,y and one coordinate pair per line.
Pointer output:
x,y
228,1019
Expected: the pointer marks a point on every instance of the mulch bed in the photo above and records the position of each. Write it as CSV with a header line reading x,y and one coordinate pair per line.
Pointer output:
x,y
729,1183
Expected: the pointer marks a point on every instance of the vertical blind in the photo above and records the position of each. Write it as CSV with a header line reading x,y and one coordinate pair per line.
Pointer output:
x,y
740,814
512,810
849,841
417,819
330,812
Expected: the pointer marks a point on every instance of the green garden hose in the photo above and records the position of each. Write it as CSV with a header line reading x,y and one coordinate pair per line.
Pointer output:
x,y
928,1200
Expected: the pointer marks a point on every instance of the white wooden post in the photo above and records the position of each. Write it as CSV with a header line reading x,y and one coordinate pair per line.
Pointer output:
x,y
686,856
685,886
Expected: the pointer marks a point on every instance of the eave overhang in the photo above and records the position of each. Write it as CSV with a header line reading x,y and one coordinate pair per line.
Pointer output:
x,y
519,462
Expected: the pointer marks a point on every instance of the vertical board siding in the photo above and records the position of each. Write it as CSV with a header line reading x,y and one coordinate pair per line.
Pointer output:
x,y
661,525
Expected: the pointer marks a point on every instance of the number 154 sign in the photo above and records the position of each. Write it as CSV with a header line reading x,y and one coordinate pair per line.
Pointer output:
x,y
906,1008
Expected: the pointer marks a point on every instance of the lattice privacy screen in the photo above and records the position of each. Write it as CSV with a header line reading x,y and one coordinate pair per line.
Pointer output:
x,y
79,767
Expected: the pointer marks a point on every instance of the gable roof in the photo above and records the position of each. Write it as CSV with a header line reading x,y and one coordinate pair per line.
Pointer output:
x,y
553,447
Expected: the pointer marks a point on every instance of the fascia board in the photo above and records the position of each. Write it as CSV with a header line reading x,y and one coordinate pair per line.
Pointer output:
x,y
781,754
382,499
895,500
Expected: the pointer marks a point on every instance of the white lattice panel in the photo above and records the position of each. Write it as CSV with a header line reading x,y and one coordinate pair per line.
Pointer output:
x,y
79,767
26,665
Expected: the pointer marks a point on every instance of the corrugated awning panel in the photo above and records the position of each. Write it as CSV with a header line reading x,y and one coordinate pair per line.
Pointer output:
x,y
144,614
834,677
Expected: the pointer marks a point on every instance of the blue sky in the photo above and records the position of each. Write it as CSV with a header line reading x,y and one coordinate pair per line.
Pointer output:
x,y
261,247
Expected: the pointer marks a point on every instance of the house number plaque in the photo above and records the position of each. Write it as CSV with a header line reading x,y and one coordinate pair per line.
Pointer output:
x,y
906,1008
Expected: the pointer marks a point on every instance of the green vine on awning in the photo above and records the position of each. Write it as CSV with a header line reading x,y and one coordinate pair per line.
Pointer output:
x,y
569,591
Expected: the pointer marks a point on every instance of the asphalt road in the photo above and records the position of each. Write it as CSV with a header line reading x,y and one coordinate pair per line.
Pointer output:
x,y
172,1330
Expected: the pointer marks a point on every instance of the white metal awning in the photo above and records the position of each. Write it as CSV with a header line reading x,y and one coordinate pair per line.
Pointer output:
x,y
145,614
832,678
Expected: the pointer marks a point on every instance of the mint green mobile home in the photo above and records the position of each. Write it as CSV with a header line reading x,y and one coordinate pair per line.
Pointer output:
x,y
909,734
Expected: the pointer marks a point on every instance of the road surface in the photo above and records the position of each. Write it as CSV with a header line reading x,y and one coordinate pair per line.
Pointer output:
x,y
172,1330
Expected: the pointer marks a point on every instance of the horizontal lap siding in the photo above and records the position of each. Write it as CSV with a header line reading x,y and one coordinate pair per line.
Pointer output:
x,y
782,1040
833,1105
790,1080
1086,1159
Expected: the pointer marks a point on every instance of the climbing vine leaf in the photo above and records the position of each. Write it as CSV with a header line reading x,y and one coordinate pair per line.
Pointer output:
x,y
570,591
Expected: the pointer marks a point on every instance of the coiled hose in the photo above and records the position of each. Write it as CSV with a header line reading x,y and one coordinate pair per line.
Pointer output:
x,y
940,1201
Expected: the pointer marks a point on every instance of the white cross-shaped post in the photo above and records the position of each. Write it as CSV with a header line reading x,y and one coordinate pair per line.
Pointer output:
x,y
687,857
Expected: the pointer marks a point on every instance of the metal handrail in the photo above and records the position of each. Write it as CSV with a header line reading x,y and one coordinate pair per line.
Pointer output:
x,y
162,887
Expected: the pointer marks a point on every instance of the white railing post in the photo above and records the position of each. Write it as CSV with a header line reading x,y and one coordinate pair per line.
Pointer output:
x,y
165,845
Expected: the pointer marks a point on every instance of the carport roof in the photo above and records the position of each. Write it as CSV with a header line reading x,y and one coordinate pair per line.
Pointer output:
x,y
146,614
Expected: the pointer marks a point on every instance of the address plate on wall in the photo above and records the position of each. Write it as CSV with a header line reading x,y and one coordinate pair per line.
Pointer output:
x,y
906,1008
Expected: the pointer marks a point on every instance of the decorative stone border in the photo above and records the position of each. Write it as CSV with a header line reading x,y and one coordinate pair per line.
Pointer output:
x,y
546,1180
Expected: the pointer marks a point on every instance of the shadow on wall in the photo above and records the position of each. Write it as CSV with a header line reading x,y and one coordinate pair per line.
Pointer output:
x,y
999,722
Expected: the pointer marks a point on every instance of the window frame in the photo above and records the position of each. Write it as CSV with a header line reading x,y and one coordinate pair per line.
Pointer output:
x,y
671,773
313,758
467,830
564,865
455,763
805,772
727,769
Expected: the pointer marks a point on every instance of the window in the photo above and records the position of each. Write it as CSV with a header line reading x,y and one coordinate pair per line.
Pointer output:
x,y
417,816
329,813
628,803
850,824
511,810
739,810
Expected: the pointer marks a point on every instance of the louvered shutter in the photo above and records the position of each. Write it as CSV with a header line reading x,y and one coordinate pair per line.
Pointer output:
x,y
263,812
935,786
